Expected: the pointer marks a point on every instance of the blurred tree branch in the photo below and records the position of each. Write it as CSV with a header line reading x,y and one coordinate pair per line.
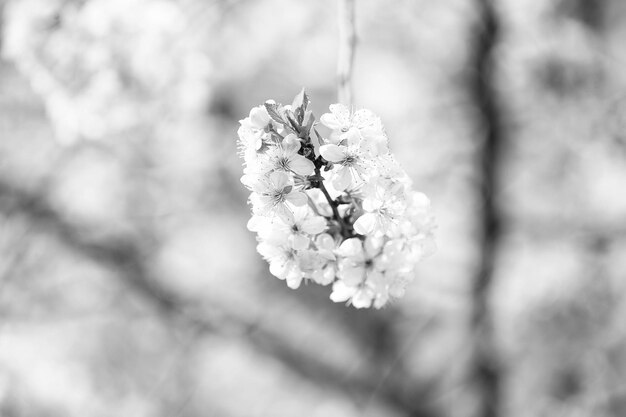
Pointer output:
x,y
1,26
485,370
13,260
347,46
589,228
126,257
590,13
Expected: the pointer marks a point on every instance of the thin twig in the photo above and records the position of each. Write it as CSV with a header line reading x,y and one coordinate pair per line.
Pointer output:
x,y
346,230
347,46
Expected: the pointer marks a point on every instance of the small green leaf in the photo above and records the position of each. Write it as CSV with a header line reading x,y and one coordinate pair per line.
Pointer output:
x,y
300,101
289,116
273,109
299,114
308,120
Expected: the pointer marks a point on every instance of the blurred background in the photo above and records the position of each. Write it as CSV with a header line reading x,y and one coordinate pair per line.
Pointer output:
x,y
130,286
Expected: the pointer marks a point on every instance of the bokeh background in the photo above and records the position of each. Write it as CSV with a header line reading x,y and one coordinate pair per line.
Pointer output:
x,y
130,286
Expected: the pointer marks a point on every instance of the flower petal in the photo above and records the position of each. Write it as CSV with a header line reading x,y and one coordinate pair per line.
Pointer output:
x,y
299,242
364,118
330,120
325,241
300,213
362,298
420,201
372,246
259,117
313,225
294,278
333,153
264,202
301,166
397,289
372,204
341,112
342,178
366,224
257,223
278,269
291,144
269,251
351,248
248,181
296,198
283,212
381,299
376,280
338,118
279,180
324,276
353,137
352,274
342,292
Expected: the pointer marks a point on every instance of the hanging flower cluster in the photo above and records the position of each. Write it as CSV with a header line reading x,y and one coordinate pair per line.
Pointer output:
x,y
334,209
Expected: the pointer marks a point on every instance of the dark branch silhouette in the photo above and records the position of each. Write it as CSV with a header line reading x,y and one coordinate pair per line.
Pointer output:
x,y
484,368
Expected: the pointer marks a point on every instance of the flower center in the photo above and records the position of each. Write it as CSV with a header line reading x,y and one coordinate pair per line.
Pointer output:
x,y
350,160
283,163
278,196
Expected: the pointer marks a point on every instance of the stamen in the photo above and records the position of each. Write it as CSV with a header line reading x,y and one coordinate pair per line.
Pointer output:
x,y
350,160
283,163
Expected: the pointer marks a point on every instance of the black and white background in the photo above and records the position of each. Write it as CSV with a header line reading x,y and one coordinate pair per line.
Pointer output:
x,y
129,285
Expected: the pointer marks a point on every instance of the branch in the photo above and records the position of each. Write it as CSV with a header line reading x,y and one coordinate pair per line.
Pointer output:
x,y
582,229
347,46
130,262
485,368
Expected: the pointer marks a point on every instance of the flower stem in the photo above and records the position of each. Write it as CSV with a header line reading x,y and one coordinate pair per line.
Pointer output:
x,y
346,230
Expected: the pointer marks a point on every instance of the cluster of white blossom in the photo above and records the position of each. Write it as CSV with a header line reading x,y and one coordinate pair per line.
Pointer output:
x,y
335,209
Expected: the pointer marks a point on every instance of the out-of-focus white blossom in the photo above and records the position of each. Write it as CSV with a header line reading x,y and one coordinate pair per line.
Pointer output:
x,y
334,210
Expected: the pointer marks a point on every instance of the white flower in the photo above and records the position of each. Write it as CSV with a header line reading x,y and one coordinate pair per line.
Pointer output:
x,y
361,271
299,228
283,263
419,226
253,128
274,193
340,118
358,260
336,210
359,296
362,125
384,204
350,165
273,229
326,271
259,118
